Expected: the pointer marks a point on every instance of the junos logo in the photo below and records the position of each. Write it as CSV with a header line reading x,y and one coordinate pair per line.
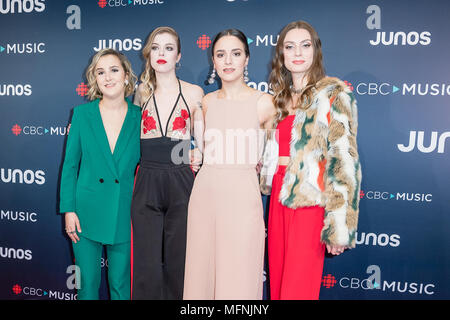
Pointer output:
x,y
435,141
381,240
19,254
119,44
15,90
20,176
19,6
411,38
261,86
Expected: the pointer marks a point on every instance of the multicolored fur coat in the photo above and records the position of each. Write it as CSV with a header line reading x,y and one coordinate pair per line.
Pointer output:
x,y
324,166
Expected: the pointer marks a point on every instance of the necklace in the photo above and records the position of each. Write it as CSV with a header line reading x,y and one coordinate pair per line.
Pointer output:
x,y
295,91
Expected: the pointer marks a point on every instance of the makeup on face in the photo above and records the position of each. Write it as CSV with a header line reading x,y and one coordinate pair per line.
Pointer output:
x,y
110,75
229,58
298,51
164,53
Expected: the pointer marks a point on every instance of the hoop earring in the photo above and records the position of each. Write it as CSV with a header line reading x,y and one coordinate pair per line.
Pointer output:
x,y
246,79
212,76
126,82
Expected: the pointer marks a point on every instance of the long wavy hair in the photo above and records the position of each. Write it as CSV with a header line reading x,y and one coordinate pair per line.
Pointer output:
x,y
148,77
281,78
94,92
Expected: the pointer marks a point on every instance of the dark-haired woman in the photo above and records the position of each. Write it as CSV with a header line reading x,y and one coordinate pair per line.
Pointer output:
x,y
315,190
225,233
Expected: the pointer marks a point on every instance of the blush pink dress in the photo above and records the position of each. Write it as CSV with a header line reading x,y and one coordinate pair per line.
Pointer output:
x,y
225,230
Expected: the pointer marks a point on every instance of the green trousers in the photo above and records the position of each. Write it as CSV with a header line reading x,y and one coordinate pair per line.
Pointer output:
x,y
88,256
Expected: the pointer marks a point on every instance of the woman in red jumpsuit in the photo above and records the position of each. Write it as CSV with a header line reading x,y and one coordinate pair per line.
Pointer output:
x,y
315,189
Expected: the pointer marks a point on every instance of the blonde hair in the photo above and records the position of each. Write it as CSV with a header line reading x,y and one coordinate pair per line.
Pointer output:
x,y
94,91
148,77
281,78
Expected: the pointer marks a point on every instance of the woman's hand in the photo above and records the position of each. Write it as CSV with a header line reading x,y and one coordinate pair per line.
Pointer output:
x,y
336,250
196,159
72,226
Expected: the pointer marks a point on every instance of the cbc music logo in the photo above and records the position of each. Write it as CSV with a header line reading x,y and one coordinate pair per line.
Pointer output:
x,y
73,282
398,196
374,282
435,141
119,44
33,130
411,38
22,176
21,6
18,289
13,253
404,89
264,40
328,281
20,216
126,3
22,48
203,42
15,90
82,89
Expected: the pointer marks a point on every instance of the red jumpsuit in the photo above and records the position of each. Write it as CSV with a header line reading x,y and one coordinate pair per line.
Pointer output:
x,y
296,255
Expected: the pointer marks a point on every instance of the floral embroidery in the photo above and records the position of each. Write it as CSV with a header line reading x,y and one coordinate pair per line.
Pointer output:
x,y
149,122
180,122
184,114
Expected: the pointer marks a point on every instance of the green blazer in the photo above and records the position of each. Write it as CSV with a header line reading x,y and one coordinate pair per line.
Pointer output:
x,y
96,184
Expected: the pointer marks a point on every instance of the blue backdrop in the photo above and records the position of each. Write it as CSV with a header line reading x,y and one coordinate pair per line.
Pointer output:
x,y
394,54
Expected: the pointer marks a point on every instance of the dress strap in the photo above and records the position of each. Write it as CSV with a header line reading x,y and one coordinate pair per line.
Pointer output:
x,y
145,104
182,97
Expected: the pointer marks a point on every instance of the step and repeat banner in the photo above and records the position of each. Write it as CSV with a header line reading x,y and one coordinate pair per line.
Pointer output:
x,y
394,55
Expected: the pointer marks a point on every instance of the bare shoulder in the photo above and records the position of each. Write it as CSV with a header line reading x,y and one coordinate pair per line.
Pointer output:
x,y
192,90
138,96
265,99
207,99
193,94
266,110
265,103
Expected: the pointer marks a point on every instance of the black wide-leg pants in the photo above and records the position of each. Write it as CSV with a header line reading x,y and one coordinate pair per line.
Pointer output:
x,y
159,217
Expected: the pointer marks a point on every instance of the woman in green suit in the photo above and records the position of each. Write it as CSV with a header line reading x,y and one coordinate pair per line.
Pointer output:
x,y
97,178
